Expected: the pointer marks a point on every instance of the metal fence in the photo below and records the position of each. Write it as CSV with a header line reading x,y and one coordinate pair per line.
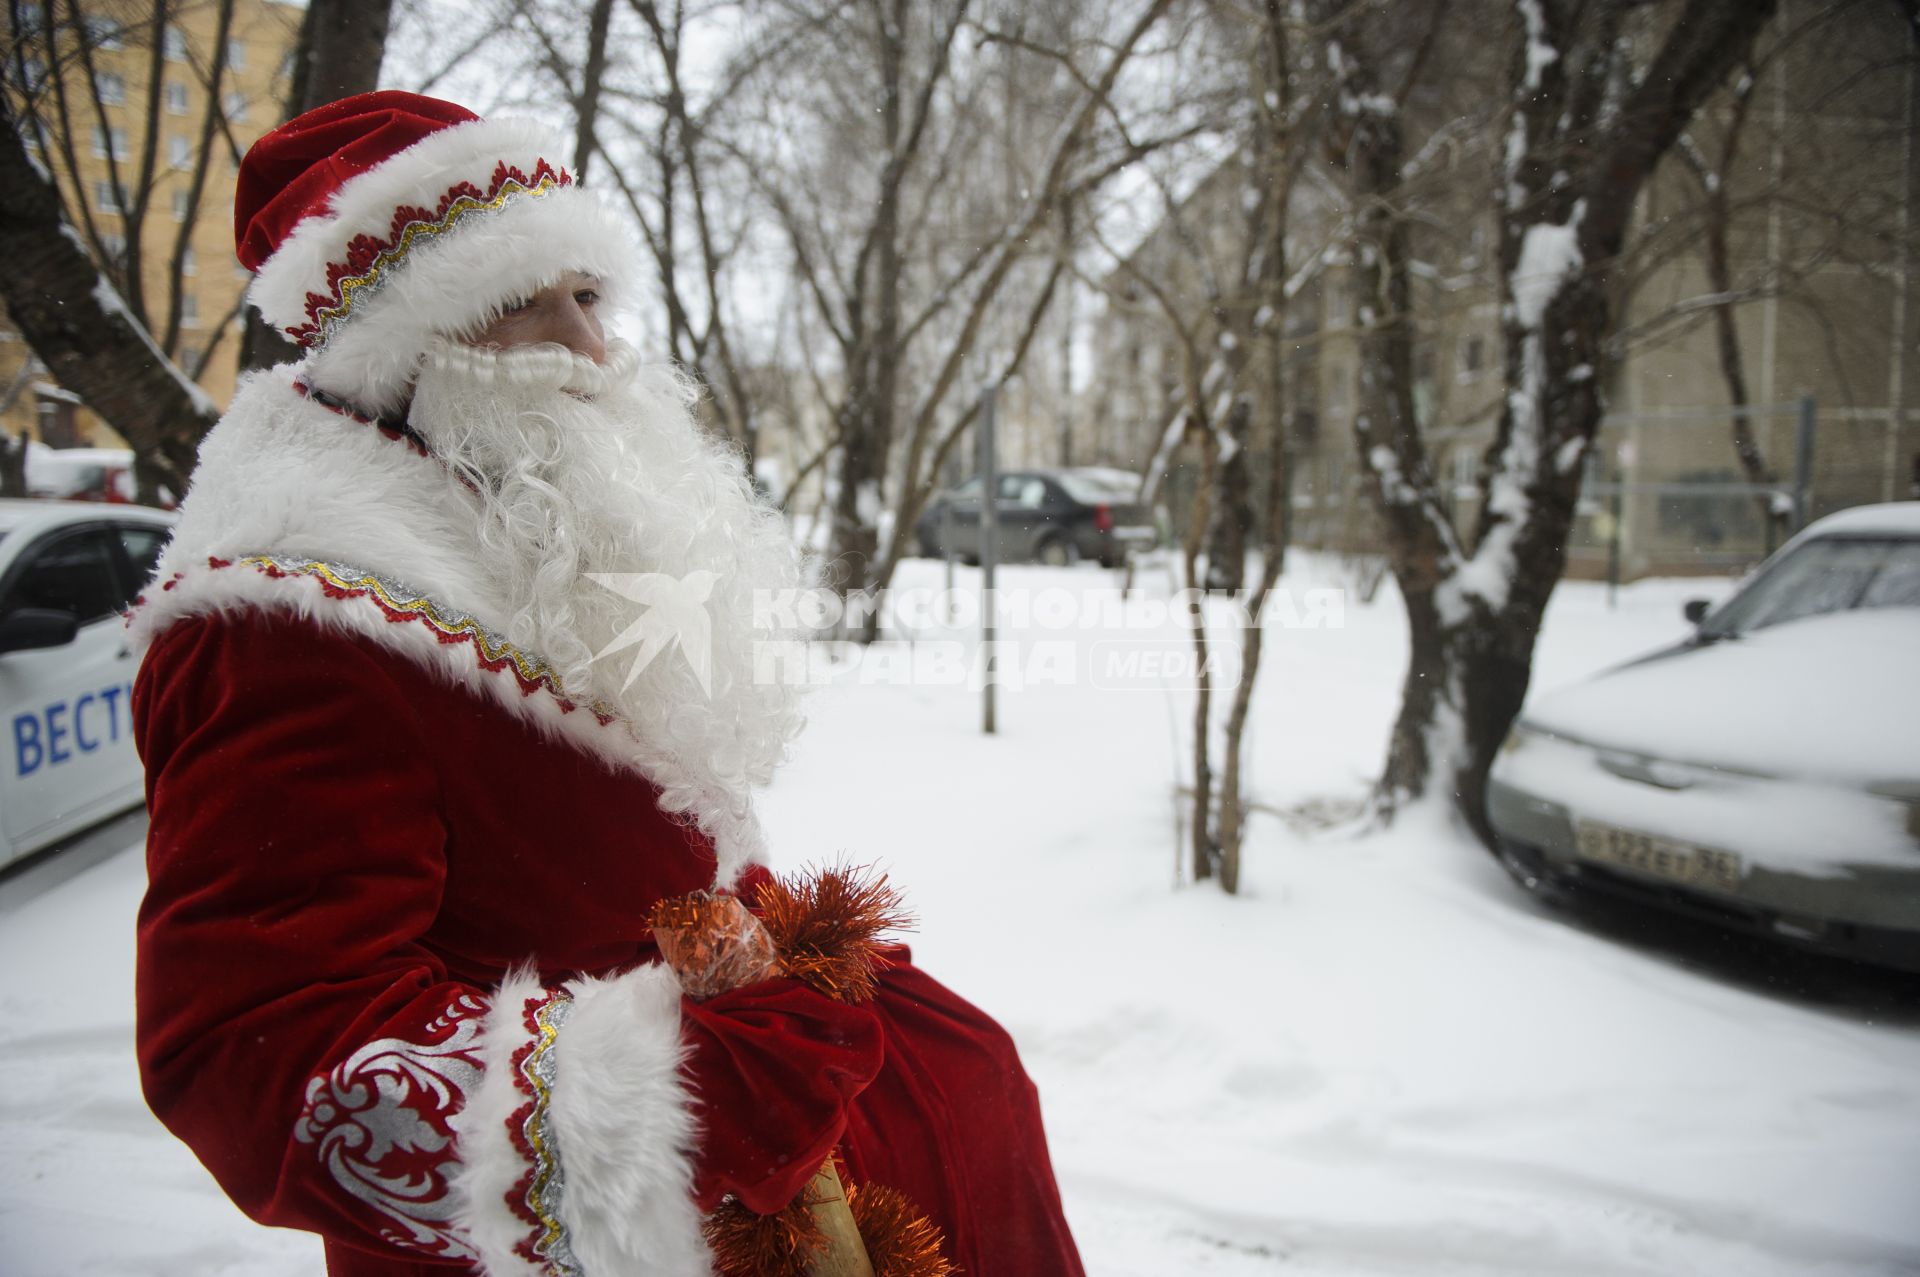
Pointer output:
x,y
1666,494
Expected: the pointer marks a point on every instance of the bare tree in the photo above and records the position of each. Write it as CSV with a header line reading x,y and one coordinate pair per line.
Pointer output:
x,y
82,300
904,313
1597,93
341,46
1226,312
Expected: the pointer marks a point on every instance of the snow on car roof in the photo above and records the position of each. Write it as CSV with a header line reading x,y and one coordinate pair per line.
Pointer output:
x,y
1898,518
16,512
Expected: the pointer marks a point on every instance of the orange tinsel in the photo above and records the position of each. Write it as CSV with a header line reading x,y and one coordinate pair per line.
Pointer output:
x,y
778,1245
900,1242
825,928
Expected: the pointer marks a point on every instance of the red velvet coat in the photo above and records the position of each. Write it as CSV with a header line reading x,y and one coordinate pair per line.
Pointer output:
x,y
396,985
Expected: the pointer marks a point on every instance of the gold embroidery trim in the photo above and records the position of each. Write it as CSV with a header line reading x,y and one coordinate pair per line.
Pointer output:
x,y
538,1070
395,597
327,316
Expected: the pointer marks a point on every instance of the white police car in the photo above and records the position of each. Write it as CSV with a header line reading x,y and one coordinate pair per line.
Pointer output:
x,y
67,571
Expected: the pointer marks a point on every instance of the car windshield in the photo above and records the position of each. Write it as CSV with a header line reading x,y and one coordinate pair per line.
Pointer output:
x,y
1097,487
1830,575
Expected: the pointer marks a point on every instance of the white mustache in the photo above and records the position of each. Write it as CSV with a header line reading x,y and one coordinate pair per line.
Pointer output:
x,y
543,364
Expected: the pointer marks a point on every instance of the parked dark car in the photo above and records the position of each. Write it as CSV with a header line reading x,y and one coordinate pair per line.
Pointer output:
x,y
1055,517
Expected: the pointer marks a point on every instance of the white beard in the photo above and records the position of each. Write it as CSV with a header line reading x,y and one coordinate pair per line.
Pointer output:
x,y
574,469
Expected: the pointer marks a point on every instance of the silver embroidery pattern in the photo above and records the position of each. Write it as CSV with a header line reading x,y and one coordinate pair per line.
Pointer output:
x,y
381,1123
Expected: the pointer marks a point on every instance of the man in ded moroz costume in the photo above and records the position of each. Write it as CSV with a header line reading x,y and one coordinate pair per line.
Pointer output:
x,y
418,850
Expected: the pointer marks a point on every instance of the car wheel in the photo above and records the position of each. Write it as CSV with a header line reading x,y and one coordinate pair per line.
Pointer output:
x,y
1057,552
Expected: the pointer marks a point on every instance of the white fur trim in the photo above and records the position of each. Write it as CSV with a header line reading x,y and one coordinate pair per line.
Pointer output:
x,y
490,1165
449,283
282,475
619,1120
624,1124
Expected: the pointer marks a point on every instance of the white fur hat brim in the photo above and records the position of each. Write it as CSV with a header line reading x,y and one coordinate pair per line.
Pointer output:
x,y
436,240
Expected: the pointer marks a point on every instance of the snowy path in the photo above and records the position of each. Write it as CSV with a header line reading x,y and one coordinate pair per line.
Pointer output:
x,y
1379,1060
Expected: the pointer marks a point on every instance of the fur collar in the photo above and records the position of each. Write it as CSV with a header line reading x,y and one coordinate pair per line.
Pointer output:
x,y
297,508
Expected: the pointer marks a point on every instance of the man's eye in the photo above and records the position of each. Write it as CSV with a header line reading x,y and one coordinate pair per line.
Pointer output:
x,y
515,307
588,297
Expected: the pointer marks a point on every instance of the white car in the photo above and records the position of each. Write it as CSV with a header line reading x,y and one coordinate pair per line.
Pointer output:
x,y
67,571
1765,773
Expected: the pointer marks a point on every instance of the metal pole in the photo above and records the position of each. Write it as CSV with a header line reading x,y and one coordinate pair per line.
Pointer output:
x,y
1618,508
1803,465
989,534
948,550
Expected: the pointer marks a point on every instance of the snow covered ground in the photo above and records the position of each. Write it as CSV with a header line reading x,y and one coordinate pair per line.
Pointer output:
x,y
1378,1060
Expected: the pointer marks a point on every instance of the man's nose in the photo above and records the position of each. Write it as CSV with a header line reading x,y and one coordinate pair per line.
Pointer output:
x,y
574,327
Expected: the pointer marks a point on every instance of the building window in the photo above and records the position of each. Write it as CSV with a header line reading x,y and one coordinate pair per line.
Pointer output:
x,y
105,198
189,361
115,248
236,107
106,35
175,45
189,311
1466,467
189,262
1337,389
1473,356
1339,303
181,205
237,55
34,73
113,88
176,98
117,138
180,153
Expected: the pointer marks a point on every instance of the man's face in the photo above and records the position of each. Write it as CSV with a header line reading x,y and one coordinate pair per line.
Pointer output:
x,y
568,314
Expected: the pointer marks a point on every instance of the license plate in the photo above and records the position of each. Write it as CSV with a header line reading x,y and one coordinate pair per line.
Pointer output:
x,y
1685,863
1134,534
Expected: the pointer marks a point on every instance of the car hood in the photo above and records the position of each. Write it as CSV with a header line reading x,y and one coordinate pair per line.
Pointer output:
x,y
1833,698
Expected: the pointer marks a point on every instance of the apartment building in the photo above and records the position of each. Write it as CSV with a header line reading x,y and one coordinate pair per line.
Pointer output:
x,y
1817,167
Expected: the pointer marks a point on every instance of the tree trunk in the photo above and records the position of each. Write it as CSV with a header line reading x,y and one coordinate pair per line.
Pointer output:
x,y
1733,368
81,330
1232,505
13,466
342,44
1586,133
